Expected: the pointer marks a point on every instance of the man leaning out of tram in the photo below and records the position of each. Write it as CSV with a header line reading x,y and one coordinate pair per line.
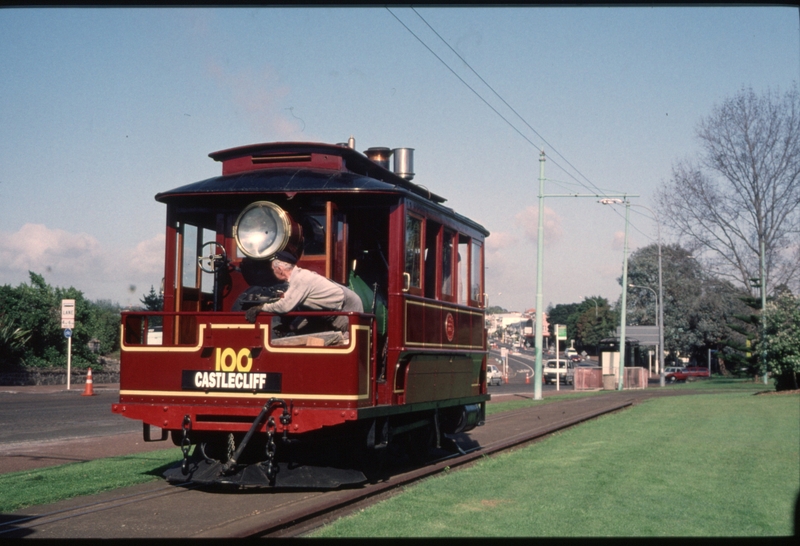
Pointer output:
x,y
308,291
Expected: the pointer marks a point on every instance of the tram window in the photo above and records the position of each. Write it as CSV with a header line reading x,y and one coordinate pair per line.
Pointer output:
x,y
475,272
447,262
463,256
207,279
413,250
432,230
190,248
314,234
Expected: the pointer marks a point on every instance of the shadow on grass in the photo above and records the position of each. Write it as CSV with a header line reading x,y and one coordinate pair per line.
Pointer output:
x,y
159,470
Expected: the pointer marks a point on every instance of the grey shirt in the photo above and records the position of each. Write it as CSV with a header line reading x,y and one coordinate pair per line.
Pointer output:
x,y
311,291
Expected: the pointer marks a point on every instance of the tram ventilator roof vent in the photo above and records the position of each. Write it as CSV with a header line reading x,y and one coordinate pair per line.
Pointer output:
x,y
379,156
404,162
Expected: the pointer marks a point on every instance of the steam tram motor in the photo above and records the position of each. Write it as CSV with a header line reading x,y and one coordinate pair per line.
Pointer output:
x,y
249,405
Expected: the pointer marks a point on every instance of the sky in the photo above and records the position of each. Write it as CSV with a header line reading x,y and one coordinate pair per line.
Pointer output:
x,y
100,109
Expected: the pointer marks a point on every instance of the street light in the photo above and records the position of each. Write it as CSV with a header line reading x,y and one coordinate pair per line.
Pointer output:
x,y
624,304
660,284
658,315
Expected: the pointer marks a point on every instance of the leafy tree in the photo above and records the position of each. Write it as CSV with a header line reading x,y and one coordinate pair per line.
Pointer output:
x,y
104,324
35,309
586,322
153,301
782,340
743,190
595,321
563,313
12,342
741,356
697,307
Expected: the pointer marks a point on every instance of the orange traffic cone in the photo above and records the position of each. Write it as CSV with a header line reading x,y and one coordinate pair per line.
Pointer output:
x,y
89,390
527,380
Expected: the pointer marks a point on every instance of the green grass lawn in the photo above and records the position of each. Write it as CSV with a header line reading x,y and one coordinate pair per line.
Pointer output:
x,y
704,465
716,383
45,485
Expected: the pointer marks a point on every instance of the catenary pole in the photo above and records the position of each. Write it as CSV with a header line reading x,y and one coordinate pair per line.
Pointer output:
x,y
537,370
623,314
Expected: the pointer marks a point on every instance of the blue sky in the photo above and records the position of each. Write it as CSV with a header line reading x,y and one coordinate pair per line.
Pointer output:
x,y
100,109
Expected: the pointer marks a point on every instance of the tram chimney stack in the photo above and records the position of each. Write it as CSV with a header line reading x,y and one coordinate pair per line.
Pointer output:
x,y
379,156
404,162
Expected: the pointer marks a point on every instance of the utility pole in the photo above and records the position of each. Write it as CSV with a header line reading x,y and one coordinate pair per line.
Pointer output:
x,y
623,315
537,368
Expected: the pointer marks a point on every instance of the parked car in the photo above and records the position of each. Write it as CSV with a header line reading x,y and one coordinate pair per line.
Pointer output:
x,y
576,358
682,374
493,375
565,371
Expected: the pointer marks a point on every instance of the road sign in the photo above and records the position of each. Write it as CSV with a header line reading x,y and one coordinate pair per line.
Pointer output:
x,y
561,332
68,314
646,335
67,333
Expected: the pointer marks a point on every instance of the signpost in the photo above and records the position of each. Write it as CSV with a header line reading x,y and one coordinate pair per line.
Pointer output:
x,y
68,322
504,357
561,335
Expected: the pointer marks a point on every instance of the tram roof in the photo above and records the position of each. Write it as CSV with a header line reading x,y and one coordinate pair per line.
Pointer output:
x,y
357,174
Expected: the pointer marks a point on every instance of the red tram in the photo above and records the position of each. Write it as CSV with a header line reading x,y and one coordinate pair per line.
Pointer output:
x,y
302,410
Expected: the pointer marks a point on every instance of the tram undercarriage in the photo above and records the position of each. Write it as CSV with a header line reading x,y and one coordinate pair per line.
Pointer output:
x,y
345,455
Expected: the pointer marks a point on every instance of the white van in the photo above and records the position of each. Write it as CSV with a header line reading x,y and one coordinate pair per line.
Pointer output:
x,y
493,375
565,371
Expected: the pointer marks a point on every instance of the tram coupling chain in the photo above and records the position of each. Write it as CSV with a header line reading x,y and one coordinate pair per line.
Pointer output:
x,y
285,419
186,443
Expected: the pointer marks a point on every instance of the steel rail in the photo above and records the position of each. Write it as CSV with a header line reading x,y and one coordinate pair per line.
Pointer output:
x,y
89,508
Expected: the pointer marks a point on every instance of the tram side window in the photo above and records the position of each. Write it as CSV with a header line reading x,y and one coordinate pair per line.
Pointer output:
x,y
447,263
475,291
190,249
463,256
413,252
431,238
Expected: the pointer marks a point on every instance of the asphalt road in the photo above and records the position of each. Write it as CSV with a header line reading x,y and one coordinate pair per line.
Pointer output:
x,y
520,365
36,415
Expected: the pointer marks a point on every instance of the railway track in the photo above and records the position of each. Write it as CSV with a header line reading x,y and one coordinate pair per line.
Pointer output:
x,y
157,510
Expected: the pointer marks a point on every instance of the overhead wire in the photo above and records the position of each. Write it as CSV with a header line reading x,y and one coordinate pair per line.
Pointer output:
x,y
477,94
461,79
445,42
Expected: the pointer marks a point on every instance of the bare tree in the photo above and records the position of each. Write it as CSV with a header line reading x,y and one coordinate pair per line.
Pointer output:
x,y
744,189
